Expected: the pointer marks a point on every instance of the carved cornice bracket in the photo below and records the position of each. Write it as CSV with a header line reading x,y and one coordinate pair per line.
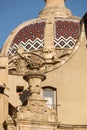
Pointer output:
x,y
25,62
22,63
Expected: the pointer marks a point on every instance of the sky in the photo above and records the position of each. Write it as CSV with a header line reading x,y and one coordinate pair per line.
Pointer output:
x,y
15,12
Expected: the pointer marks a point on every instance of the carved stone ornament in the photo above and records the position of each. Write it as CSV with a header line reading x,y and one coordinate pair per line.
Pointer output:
x,y
24,62
34,80
36,106
36,110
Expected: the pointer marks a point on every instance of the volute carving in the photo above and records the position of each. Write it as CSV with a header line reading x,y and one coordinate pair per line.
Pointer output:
x,y
24,62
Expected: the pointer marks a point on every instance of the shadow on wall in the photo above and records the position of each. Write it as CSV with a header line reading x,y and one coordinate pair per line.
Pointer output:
x,y
85,23
23,96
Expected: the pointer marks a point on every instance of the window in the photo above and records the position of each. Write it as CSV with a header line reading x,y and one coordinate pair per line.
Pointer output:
x,y
50,95
2,89
19,89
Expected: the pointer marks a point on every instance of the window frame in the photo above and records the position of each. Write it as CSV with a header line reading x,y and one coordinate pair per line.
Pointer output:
x,y
51,88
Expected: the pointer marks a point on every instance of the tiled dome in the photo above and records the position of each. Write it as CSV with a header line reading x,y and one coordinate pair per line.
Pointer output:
x,y
33,34
31,37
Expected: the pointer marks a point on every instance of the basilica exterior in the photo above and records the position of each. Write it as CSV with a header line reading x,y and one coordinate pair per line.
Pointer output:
x,y
43,72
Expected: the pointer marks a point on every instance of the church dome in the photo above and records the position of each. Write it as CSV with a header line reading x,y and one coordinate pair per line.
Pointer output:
x,y
54,28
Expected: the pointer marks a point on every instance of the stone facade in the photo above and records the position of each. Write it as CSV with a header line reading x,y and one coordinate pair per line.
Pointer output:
x,y
43,66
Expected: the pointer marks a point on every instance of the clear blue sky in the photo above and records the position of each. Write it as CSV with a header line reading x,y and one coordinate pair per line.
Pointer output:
x,y
15,12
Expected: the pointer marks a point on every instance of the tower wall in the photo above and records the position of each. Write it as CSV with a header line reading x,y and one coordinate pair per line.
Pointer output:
x,y
3,90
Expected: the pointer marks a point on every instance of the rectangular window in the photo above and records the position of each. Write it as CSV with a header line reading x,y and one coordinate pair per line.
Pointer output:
x,y
19,89
50,95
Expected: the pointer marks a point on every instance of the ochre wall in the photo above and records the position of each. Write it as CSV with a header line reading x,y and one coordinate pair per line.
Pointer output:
x,y
14,97
71,83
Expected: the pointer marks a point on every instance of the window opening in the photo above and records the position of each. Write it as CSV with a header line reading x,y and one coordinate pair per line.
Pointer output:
x,y
50,95
19,89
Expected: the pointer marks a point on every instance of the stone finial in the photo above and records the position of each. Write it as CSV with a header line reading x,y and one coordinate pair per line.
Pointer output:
x,y
56,8
54,3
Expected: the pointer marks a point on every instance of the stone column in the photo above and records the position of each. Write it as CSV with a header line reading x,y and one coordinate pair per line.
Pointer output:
x,y
34,80
34,114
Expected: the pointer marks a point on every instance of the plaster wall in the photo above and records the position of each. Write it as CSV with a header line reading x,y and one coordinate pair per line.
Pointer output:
x,y
3,70
16,98
3,108
71,83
